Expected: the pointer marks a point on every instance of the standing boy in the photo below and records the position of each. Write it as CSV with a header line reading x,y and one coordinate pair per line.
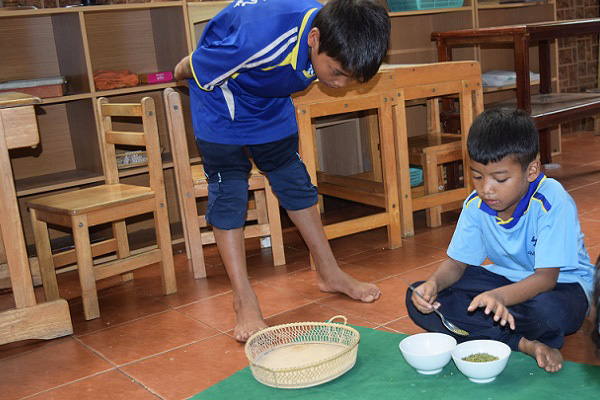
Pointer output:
x,y
252,56
538,287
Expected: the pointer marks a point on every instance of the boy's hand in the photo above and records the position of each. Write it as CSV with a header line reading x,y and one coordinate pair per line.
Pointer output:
x,y
493,303
425,304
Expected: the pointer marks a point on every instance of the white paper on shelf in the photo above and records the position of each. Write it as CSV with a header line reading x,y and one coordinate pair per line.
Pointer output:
x,y
502,78
55,80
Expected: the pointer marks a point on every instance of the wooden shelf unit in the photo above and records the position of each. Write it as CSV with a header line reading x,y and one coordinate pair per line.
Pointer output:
x,y
75,42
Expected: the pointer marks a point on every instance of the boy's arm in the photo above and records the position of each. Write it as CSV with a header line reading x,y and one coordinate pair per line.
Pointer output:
x,y
448,273
496,301
183,70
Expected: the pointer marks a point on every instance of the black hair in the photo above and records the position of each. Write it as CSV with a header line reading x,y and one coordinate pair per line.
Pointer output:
x,y
355,33
596,301
497,133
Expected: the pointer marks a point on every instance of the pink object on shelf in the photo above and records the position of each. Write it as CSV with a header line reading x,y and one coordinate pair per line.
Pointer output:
x,y
160,77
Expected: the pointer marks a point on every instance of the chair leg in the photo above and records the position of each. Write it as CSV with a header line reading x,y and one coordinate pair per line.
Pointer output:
x,y
120,233
192,234
83,249
262,215
274,226
44,255
191,228
430,175
163,238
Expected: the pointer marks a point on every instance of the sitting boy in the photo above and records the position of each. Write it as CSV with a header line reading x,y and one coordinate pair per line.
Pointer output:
x,y
537,288
252,56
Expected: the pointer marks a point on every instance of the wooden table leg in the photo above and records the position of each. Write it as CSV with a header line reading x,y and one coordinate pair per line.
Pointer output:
x,y
389,168
522,69
545,146
405,195
545,66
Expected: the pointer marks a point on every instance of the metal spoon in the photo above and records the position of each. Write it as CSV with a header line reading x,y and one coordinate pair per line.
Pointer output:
x,y
451,327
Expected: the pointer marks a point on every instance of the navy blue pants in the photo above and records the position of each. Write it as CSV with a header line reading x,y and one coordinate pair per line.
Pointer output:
x,y
227,168
548,317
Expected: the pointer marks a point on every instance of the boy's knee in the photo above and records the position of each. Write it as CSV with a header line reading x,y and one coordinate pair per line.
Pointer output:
x,y
550,311
227,203
293,186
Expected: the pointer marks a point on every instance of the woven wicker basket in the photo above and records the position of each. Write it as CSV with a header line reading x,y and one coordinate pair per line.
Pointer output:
x,y
302,354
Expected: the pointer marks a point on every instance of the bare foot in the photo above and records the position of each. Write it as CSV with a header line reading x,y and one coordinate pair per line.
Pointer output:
x,y
340,282
249,319
547,358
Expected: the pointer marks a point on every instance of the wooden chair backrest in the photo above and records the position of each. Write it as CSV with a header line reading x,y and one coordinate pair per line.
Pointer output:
x,y
177,135
148,138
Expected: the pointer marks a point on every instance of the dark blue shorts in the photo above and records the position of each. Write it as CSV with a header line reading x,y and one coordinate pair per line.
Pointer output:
x,y
227,168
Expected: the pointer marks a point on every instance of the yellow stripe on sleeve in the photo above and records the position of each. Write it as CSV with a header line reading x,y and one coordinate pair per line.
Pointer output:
x,y
292,57
195,77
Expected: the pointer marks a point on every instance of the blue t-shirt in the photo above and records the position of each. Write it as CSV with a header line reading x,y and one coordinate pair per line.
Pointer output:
x,y
252,56
543,232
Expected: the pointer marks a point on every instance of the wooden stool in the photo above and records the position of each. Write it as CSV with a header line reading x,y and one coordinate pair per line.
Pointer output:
x,y
431,152
111,202
192,185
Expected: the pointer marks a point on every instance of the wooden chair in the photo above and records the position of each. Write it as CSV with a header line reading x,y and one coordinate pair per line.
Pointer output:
x,y
192,185
431,151
108,203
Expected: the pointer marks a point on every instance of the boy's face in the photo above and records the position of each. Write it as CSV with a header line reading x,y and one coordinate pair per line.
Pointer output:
x,y
328,71
501,185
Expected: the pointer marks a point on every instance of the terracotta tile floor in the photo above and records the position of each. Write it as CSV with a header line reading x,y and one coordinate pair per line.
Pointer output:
x,y
148,346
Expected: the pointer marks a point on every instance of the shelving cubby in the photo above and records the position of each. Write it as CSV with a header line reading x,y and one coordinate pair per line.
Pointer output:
x,y
141,40
67,153
41,45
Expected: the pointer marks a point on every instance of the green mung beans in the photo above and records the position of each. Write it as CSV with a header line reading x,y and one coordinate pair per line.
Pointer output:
x,y
480,357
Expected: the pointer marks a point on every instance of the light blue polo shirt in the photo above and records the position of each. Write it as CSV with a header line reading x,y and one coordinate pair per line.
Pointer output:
x,y
543,232
252,56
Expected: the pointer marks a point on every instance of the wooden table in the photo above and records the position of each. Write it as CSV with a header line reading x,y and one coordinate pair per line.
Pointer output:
x,y
29,320
388,92
548,109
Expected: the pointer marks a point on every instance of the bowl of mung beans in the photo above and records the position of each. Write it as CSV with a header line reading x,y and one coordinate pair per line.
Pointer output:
x,y
481,360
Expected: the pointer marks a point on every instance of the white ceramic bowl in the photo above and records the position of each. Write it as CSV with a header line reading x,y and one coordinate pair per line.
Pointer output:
x,y
428,352
481,372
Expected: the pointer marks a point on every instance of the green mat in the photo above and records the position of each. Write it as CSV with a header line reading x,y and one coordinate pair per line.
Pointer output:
x,y
381,373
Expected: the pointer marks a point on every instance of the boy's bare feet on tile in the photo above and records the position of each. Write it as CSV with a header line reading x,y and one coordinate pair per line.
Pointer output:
x,y
249,319
331,278
547,358
341,282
